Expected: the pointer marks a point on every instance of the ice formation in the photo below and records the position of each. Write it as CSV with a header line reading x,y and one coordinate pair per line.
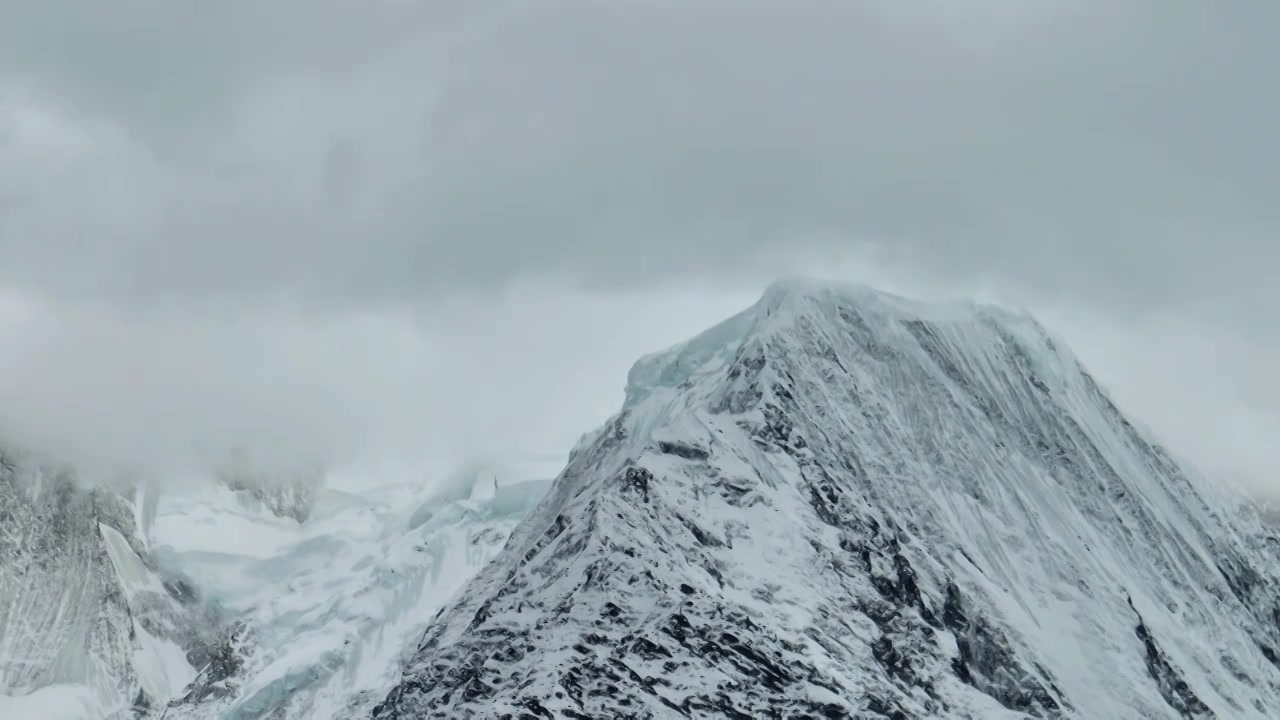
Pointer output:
x,y
326,611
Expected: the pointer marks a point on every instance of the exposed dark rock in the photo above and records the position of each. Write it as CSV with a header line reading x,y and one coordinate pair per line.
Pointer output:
x,y
1172,687
688,451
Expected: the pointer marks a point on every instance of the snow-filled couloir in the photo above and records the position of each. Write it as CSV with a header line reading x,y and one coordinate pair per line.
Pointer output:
x,y
840,503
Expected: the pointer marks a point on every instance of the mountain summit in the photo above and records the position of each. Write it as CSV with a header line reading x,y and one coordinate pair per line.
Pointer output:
x,y
844,504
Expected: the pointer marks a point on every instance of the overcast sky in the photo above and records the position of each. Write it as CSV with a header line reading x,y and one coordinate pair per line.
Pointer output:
x,y
337,230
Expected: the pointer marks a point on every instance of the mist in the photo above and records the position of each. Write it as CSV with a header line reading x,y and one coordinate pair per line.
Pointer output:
x,y
162,395
506,381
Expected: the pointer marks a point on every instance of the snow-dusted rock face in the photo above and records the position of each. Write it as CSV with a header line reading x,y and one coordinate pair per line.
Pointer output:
x,y
842,504
81,606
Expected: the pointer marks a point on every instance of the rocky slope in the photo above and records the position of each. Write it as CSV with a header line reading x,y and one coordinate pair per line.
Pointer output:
x,y
842,504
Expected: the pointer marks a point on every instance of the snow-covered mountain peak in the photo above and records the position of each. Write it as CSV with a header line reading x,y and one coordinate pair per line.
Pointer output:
x,y
738,363
801,308
840,503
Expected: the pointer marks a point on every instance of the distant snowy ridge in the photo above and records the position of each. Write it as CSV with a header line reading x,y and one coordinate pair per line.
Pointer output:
x,y
844,504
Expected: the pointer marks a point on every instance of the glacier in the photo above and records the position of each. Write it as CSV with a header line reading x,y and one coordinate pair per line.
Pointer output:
x,y
845,504
326,610
231,598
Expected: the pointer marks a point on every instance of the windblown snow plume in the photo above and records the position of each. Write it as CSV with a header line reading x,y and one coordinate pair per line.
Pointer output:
x,y
843,504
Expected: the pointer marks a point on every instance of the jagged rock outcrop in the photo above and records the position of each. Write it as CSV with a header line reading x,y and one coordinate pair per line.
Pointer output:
x,y
841,504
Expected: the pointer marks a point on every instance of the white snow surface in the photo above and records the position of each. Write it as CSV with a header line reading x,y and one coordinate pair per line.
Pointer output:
x,y
841,503
161,664
52,702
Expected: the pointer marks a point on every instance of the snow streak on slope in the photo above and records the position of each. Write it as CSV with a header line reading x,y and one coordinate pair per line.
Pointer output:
x,y
327,610
161,664
844,504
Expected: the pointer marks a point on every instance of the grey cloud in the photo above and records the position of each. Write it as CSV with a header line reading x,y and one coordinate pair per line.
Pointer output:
x,y
168,393
388,153
169,71
364,159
